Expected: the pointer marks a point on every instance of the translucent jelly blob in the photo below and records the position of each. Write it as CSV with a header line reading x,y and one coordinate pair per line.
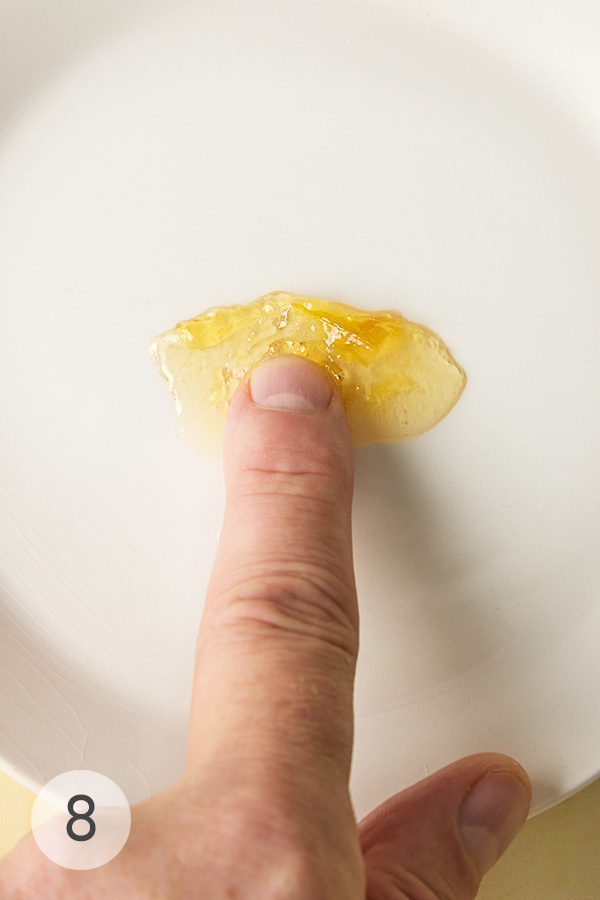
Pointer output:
x,y
397,378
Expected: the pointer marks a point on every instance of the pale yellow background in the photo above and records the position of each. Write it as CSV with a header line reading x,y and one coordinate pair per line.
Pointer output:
x,y
555,857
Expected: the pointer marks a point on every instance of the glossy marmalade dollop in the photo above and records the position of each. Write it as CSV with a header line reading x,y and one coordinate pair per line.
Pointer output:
x,y
397,378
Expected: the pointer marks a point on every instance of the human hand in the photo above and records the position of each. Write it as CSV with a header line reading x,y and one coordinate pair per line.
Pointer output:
x,y
263,810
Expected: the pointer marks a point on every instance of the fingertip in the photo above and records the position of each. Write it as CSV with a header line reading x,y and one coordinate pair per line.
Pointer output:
x,y
481,764
290,383
492,814
288,415
448,829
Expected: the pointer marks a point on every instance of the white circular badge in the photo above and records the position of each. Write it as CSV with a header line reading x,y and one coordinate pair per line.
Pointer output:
x,y
81,819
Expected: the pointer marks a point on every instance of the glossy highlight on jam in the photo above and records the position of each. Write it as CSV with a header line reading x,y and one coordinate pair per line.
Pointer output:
x,y
397,378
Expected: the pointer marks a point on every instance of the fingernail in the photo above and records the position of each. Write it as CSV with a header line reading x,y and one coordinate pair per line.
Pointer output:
x,y
490,817
290,383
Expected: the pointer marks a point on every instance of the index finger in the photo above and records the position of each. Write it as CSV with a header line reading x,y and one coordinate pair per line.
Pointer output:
x,y
276,651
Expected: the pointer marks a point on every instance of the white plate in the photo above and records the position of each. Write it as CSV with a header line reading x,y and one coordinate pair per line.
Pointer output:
x,y
441,159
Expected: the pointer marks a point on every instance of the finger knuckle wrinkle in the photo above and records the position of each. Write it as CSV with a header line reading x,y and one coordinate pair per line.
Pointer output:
x,y
303,607
297,456
315,485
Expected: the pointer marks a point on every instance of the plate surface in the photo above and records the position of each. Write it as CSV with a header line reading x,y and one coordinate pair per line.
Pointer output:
x,y
158,158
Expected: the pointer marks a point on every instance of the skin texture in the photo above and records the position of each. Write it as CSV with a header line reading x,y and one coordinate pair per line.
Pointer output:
x,y
263,808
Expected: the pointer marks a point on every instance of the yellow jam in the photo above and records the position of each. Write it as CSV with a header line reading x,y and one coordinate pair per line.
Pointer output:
x,y
397,378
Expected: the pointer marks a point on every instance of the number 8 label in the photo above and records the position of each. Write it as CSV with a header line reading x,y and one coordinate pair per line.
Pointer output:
x,y
81,819
85,817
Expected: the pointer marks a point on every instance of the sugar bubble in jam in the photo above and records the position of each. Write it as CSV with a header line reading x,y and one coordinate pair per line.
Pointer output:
x,y
397,379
